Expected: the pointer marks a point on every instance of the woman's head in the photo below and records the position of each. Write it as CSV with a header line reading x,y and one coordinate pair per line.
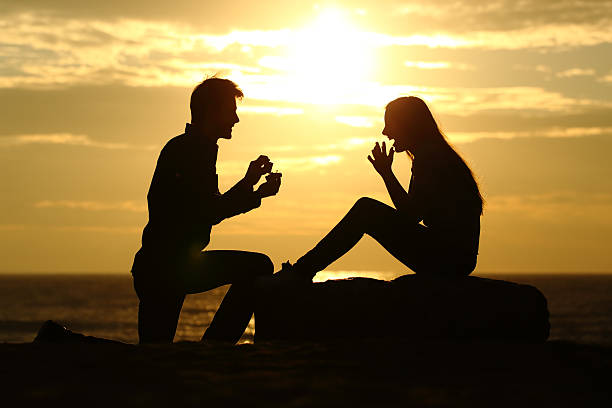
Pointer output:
x,y
410,124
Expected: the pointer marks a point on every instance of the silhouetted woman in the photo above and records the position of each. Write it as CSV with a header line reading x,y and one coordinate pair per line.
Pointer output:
x,y
435,226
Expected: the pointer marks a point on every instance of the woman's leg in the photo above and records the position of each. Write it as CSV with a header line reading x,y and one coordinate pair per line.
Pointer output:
x,y
404,241
218,268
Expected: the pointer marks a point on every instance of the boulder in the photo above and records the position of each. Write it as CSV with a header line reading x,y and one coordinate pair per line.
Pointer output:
x,y
410,308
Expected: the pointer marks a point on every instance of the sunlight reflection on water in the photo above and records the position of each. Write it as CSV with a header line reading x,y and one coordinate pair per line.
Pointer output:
x,y
326,275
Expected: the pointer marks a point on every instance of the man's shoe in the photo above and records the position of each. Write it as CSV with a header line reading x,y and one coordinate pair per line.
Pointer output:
x,y
52,332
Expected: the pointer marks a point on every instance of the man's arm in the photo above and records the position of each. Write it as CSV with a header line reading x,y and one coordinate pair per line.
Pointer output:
x,y
241,198
237,200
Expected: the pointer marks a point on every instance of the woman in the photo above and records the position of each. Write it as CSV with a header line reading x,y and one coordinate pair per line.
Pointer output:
x,y
434,228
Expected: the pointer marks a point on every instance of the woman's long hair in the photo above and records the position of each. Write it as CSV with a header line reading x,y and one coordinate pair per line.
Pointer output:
x,y
416,114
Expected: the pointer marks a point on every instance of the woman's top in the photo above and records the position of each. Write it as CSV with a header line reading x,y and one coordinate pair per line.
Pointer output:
x,y
445,198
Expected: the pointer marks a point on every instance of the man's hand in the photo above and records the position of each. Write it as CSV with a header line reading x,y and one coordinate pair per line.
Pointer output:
x,y
271,186
257,168
381,160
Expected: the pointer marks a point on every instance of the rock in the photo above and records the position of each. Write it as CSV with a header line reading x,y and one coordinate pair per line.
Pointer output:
x,y
408,308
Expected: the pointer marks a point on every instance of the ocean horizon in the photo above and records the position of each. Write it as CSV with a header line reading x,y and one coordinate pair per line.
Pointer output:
x,y
105,305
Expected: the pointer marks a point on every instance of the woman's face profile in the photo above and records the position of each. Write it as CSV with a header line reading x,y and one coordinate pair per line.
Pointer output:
x,y
397,130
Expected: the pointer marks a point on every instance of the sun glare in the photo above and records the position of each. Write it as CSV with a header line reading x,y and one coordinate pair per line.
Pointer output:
x,y
327,60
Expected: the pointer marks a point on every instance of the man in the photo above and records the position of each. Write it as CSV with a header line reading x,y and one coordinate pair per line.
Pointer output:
x,y
184,203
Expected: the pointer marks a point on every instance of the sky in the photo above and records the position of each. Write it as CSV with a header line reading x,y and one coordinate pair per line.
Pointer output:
x,y
90,93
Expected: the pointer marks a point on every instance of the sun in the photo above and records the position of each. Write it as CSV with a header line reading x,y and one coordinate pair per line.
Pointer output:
x,y
327,60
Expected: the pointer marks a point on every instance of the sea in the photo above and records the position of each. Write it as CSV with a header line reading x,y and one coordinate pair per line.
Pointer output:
x,y
105,305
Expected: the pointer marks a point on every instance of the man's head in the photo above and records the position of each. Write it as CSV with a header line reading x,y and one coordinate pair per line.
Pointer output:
x,y
213,107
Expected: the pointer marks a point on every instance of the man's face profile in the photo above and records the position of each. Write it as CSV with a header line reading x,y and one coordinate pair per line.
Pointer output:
x,y
223,118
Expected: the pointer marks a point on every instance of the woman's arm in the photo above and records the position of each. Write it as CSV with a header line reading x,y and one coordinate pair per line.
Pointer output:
x,y
402,200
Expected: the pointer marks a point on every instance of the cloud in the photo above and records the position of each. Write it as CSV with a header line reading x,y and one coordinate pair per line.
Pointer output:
x,y
431,15
42,50
64,139
270,110
307,163
342,145
357,121
359,143
551,36
288,216
552,207
100,229
78,228
575,72
438,65
294,164
12,227
39,49
130,206
504,15
456,100
550,133
607,78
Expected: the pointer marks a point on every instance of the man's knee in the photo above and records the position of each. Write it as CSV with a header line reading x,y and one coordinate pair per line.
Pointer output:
x,y
262,264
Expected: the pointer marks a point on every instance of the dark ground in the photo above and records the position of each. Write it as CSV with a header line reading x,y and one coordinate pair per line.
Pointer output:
x,y
553,374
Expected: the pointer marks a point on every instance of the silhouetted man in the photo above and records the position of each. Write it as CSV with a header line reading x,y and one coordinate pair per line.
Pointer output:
x,y
184,203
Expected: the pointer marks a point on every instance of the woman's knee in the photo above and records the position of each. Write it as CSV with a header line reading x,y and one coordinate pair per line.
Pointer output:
x,y
371,214
367,204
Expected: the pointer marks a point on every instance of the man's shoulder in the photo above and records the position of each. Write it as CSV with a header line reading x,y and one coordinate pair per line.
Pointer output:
x,y
177,142
175,147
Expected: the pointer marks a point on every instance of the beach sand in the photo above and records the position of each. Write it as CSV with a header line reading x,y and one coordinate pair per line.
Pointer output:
x,y
376,373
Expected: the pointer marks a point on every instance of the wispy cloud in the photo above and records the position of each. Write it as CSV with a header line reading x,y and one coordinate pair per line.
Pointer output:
x,y
607,78
504,15
553,132
357,121
286,216
456,100
45,50
438,65
551,207
12,227
75,228
342,145
308,163
130,206
294,164
575,72
548,36
64,139
101,229
270,110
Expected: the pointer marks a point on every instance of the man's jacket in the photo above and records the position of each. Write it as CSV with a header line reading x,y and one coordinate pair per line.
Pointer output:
x,y
184,199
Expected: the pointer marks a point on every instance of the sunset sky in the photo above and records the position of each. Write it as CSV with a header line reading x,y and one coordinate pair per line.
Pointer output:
x,y
91,91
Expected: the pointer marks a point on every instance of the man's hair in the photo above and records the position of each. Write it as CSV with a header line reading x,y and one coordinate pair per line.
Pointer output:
x,y
210,92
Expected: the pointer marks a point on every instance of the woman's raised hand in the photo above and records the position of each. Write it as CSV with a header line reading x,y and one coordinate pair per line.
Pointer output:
x,y
380,159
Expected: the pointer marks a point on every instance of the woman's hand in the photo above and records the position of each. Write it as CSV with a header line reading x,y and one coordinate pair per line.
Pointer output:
x,y
381,160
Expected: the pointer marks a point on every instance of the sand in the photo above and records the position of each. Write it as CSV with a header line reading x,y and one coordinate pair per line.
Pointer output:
x,y
554,374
